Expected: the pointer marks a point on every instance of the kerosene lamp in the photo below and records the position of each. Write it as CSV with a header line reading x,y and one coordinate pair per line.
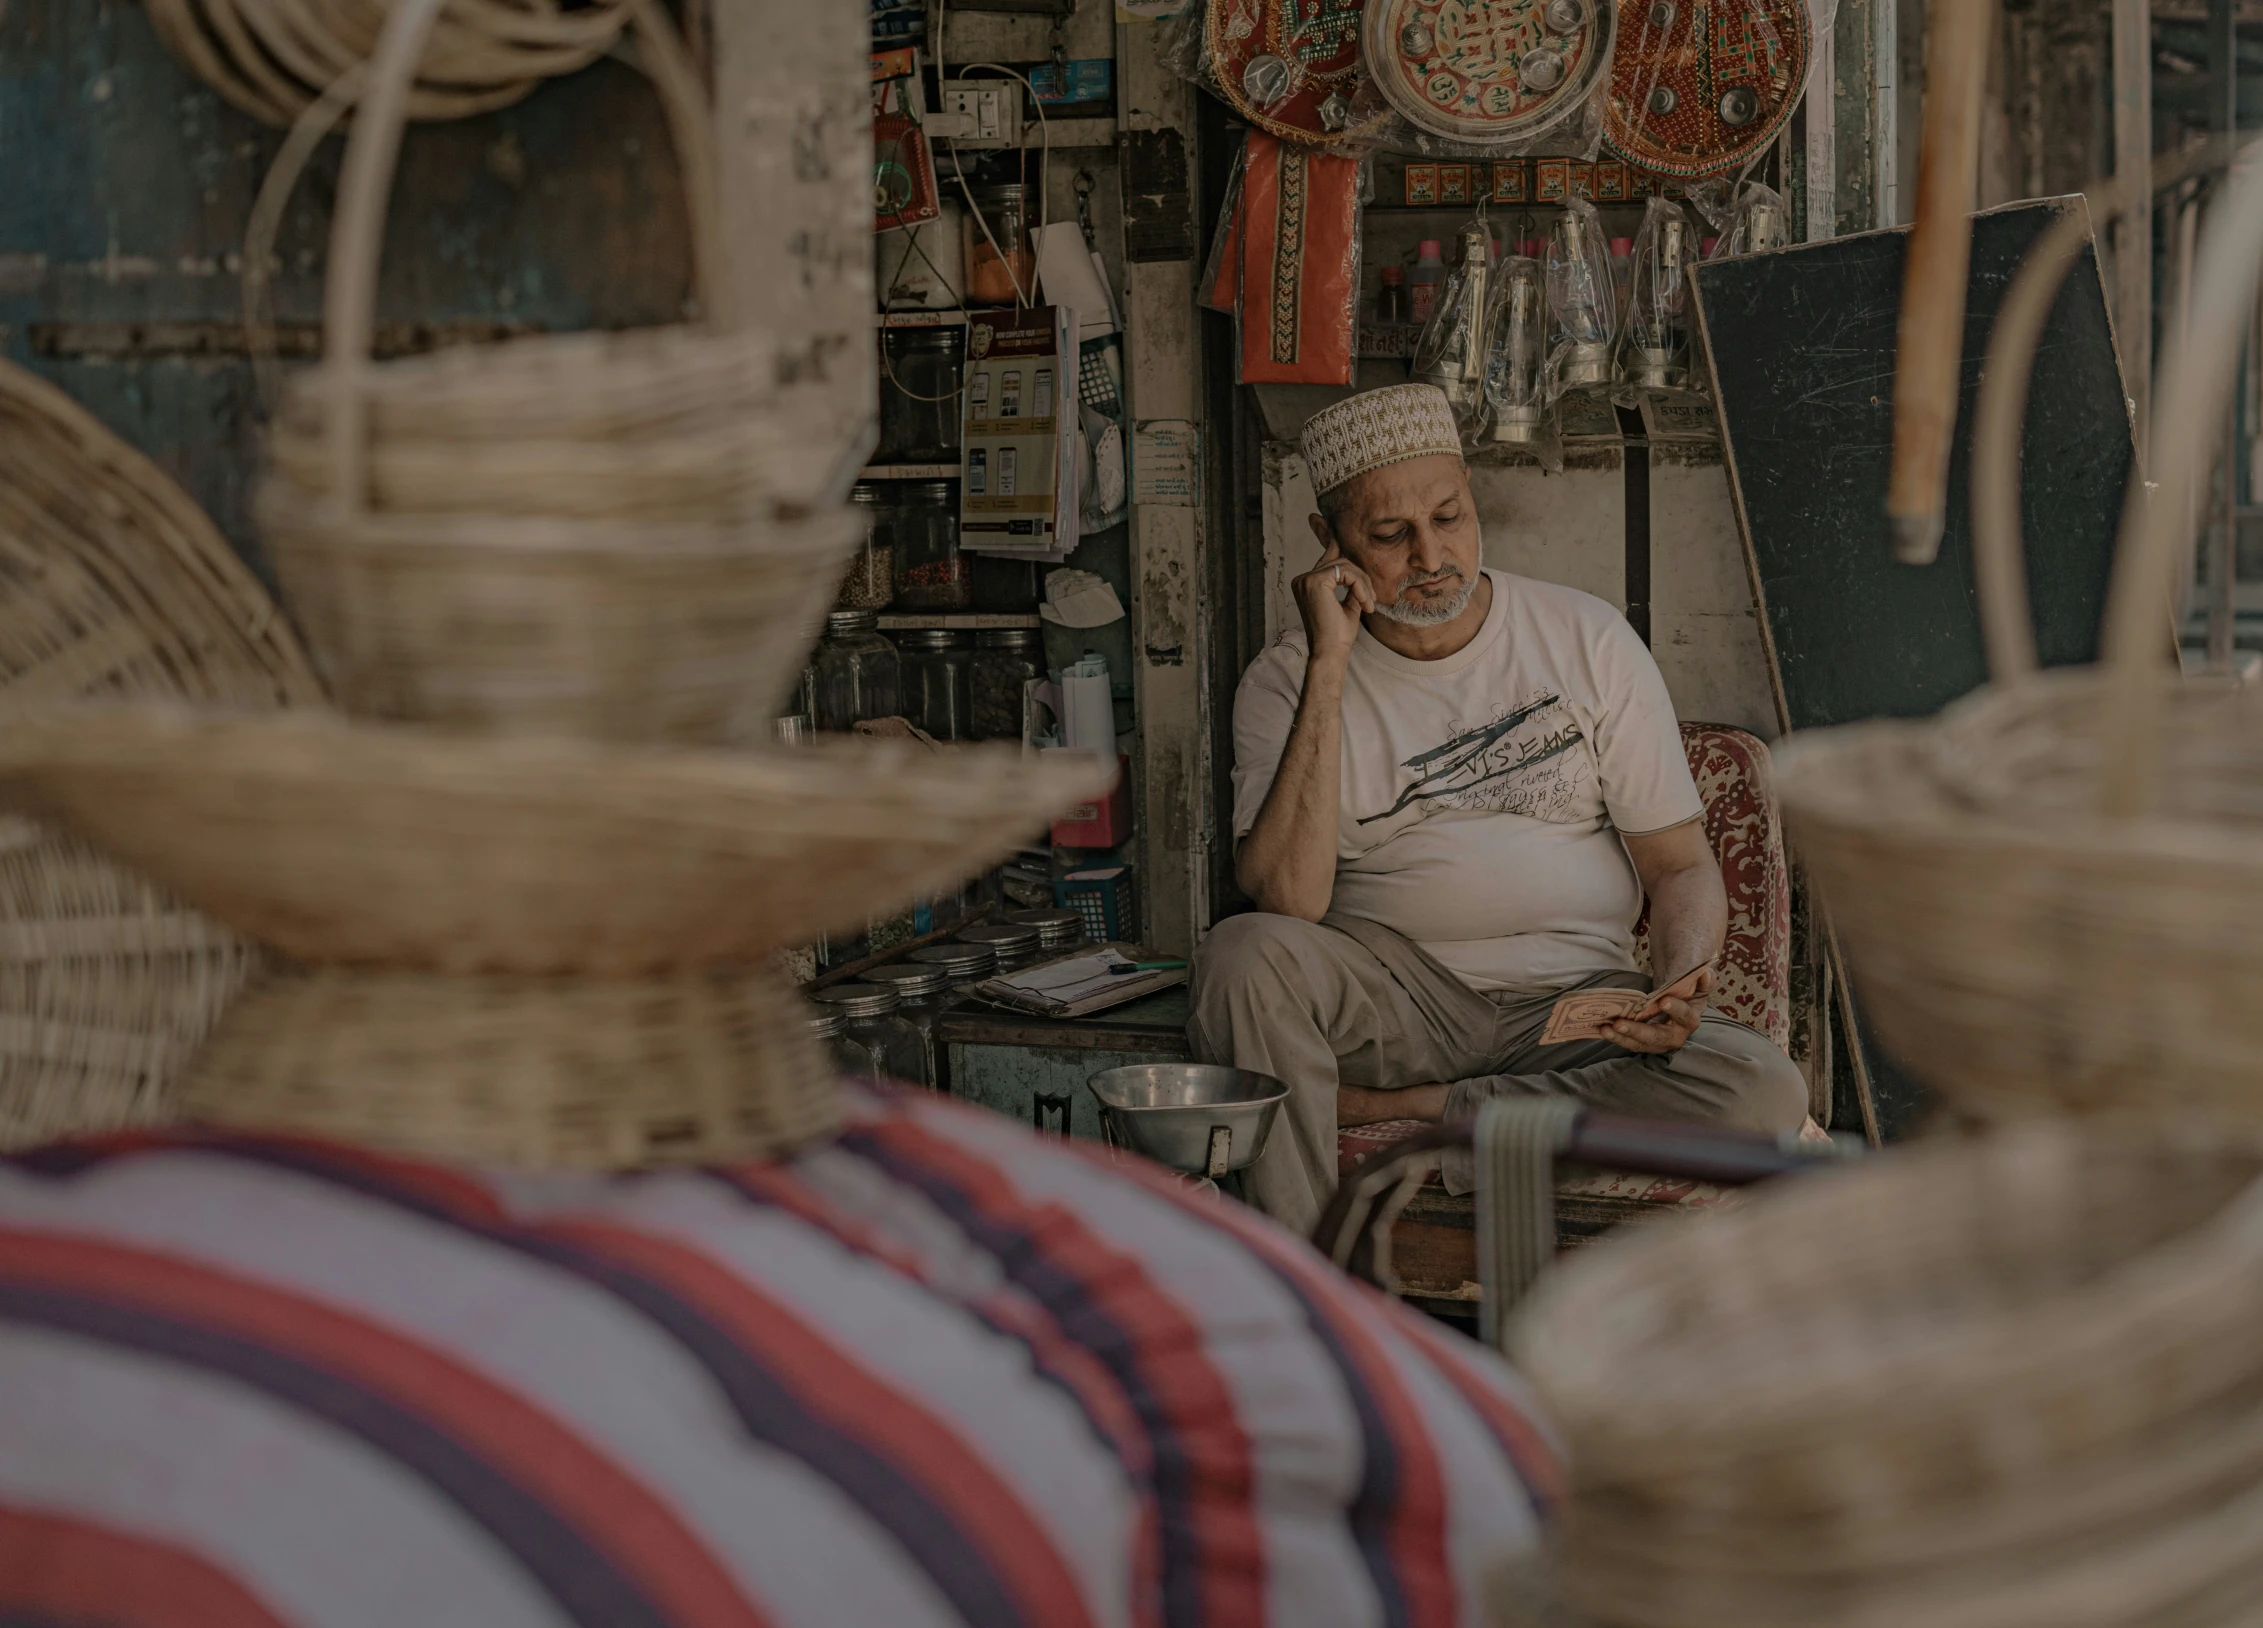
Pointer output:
x,y
1655,350
1582,306
1516,381
1451,352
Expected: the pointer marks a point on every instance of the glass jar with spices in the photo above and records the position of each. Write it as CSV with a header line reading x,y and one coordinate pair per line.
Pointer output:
x,y
919,395
868,1017
871,578
857,672
931,573
938,681
1001,262
923,990
1005,659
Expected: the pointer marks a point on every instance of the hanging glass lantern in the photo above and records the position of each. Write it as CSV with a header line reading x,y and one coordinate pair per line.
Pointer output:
x,y
1655,350
1451,352
1582,308
1516,381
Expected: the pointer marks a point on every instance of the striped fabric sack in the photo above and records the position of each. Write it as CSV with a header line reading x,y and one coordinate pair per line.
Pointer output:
x,y
935,1371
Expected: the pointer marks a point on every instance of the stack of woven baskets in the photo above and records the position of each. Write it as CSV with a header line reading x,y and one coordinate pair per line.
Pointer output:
x,y
530,890
2016,1380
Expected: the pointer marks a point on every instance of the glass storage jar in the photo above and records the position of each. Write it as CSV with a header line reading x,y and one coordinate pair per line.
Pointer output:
x,y
937,681
1005,659
922,989
870,581
868,1017
1001,264
919,395
931,573
857,672
851,1057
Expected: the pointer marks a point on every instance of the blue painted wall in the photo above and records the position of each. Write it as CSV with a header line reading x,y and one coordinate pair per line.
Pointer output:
x,y
125,186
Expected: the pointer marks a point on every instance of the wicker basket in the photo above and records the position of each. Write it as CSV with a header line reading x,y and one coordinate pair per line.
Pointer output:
x,y
576,534
549,1073
2025,1385
112,582
2052,895
391,846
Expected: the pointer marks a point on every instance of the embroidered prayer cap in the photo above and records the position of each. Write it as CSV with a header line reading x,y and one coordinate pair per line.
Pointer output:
x,y
1378,427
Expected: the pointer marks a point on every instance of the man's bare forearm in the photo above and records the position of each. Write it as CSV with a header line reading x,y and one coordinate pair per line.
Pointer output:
x,y
1689,919
1287,863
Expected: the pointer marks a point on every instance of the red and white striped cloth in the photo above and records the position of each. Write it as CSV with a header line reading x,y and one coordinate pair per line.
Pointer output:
x,y
936,1371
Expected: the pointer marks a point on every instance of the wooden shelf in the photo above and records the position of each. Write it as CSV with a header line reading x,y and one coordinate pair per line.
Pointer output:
x,y
957,621
909,472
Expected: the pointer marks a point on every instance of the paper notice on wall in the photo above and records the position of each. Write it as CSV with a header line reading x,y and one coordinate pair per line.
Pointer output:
x,y
1018,494
1165,462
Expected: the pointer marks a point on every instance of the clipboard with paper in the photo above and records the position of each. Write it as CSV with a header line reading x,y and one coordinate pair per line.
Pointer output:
x,y
1084,981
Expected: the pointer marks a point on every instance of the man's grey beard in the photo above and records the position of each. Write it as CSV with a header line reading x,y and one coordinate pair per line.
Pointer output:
x,y
1432,612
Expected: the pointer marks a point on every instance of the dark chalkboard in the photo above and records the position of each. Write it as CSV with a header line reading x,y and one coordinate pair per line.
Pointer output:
x,y
1802,349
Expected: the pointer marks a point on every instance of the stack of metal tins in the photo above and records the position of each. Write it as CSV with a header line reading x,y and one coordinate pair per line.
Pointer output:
x,y
961,962
1057,930
1016,945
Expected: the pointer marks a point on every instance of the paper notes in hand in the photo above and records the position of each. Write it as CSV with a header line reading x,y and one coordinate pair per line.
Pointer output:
x,y
1587,1014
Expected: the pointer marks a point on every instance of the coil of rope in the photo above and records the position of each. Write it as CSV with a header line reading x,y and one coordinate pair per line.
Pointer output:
x,y
275,59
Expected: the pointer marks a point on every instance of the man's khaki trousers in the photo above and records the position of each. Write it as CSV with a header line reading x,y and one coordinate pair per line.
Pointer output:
x,y
1347,1002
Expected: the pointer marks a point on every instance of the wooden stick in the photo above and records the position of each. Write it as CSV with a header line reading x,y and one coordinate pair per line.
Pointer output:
x,y
1929,361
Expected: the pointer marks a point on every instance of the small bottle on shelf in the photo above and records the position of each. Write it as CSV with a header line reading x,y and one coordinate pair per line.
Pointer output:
x,y
1391,307
1422,286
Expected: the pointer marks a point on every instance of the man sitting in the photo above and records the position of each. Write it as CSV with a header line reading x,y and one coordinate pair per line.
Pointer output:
x,y
1452,793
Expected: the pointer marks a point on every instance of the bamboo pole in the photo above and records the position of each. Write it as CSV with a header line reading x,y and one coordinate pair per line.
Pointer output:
x,y
1929,358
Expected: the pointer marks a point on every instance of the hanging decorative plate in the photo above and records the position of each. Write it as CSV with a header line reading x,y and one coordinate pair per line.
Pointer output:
x,y
1487,71
1292,67
1700,86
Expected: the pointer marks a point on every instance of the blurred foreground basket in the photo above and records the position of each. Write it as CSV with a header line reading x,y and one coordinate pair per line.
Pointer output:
x,y
2052,894
112,583
622,536
2023,1386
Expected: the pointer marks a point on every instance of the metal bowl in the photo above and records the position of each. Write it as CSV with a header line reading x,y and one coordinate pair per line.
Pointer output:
x,y
1202,1118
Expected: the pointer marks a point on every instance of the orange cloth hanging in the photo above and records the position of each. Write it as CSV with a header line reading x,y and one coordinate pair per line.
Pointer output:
x,y
1295,246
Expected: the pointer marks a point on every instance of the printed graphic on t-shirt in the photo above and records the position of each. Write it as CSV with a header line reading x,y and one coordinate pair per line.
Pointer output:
x,y
1517,762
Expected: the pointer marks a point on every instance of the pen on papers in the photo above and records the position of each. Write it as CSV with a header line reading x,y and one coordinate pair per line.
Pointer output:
x,y
1144,966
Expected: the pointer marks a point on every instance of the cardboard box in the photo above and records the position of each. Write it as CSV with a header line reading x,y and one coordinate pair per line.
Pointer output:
x,y
1611,181
1421,185
1453,183
1583,179
1551,180
1512,181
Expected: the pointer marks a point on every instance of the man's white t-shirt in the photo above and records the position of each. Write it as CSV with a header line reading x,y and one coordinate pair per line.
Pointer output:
x,y
1484,794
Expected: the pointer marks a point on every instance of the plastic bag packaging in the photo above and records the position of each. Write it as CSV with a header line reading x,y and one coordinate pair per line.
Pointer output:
x,y
1702,87
1451,350
1221,273
1757,222
1582,304
1458,93
1516,362
1297,248
1654,342
1292,68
